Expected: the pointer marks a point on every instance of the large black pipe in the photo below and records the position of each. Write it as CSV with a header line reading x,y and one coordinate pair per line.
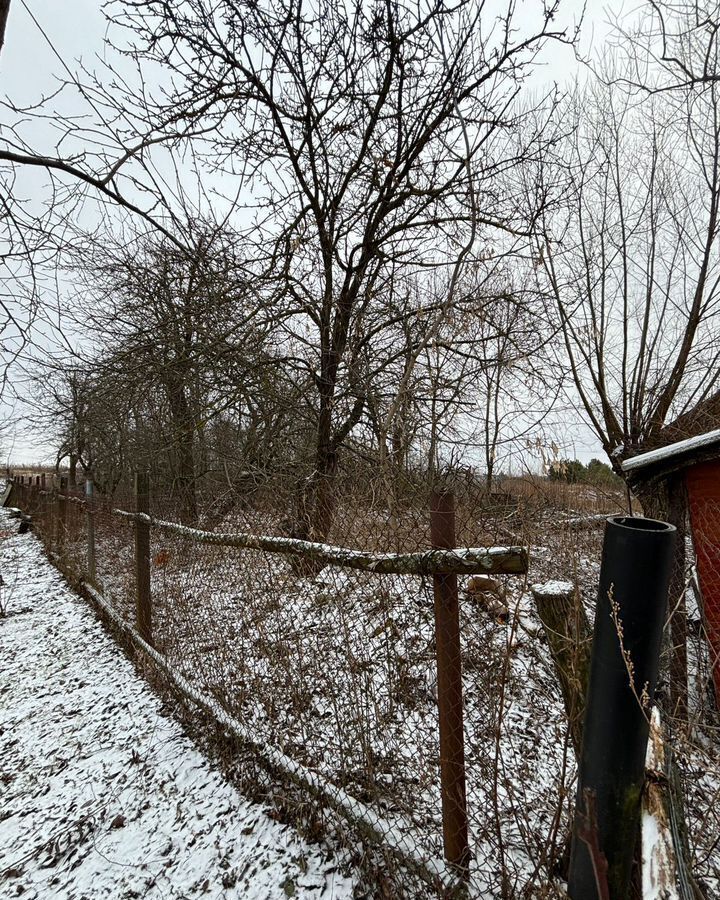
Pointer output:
x,y
632,600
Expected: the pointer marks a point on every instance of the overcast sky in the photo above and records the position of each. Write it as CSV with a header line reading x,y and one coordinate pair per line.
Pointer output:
x,y
67,33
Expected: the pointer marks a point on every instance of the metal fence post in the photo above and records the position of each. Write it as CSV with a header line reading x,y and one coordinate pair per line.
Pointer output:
x,y
53,513
62,513
143,607
90,527
450,693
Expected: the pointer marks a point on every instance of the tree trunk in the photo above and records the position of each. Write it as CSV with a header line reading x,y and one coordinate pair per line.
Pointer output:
x,y
489,479
4,10
315,510
184,440
186,478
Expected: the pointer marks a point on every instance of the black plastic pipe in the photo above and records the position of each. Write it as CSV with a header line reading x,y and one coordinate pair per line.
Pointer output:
x,y
632,600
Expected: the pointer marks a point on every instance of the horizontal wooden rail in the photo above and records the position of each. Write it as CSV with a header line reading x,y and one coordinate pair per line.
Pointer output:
x,y
71,498
460,561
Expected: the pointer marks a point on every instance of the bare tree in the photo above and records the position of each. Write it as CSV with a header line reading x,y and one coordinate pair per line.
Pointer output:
x,y
89,416
372,135
188,327
633,266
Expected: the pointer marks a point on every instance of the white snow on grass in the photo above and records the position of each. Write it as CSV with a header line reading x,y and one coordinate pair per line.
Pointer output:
x,y
102,795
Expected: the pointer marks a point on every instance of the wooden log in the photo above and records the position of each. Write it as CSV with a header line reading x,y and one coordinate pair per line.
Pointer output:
x,y
461,561
659,869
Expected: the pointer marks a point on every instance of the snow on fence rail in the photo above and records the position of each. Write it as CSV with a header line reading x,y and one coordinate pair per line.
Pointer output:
x,y
510,560
462,560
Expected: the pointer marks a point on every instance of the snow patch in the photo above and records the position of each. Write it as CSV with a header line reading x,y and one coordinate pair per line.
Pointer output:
x,y
103,795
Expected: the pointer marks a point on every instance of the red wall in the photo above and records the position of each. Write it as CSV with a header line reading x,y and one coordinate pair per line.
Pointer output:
x,y
703,483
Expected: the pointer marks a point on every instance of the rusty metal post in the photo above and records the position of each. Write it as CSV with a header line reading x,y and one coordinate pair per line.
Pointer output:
x,y
44,509
143,607
450,693
90,527
62,513
34,497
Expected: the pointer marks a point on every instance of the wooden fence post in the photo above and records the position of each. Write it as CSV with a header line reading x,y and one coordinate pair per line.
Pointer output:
x,y
143,607
72,510
450,692
569,640
33,496
90,528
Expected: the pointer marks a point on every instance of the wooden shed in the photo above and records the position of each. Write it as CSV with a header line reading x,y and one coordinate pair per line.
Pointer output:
x,y
697,461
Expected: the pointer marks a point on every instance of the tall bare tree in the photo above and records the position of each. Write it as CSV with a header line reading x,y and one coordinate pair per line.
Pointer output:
x,y
186,326
633,265
634,269
371,134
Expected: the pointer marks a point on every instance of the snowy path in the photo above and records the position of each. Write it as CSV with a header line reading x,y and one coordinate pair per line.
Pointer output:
x,y
100,794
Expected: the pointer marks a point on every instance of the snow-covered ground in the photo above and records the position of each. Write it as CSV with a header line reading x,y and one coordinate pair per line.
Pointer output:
x,y
101,794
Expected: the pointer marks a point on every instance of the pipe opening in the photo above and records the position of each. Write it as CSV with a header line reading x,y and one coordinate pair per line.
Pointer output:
x,y
639,524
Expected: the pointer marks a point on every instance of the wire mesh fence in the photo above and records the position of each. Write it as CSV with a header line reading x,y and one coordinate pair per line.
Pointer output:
x,y
334,672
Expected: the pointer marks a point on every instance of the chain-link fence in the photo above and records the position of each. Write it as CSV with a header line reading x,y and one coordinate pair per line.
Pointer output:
x,y
341,676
